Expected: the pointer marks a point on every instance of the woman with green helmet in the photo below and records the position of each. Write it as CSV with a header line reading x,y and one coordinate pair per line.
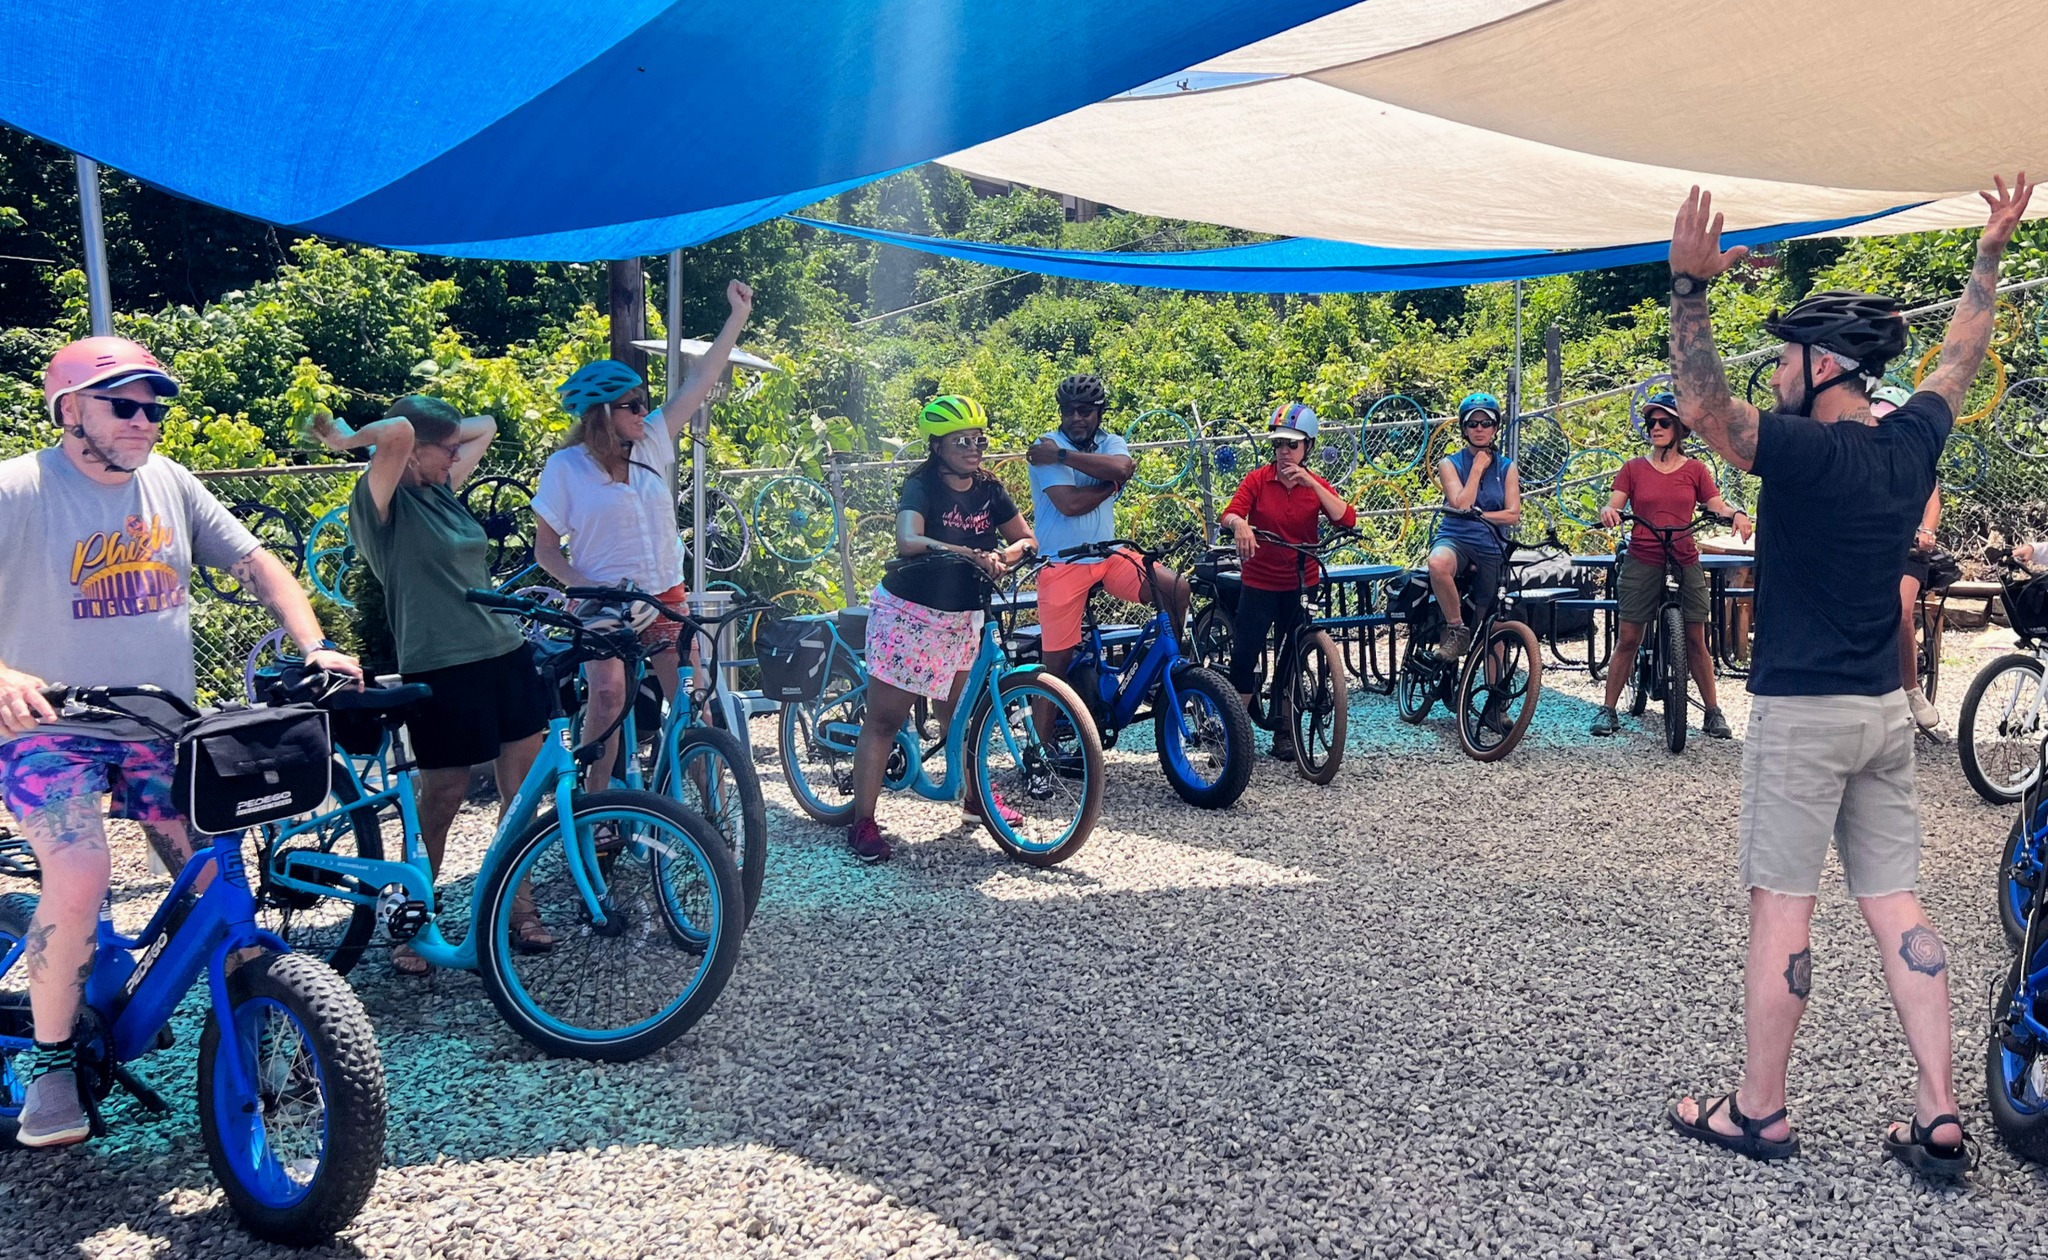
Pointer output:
x,y
925,627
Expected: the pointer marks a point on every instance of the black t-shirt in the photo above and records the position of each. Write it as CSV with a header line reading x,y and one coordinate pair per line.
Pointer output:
x,y
973,518
1837,511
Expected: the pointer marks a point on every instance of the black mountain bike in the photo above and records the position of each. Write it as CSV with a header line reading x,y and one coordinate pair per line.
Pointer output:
x,y
1317,698
1494,690
1661,670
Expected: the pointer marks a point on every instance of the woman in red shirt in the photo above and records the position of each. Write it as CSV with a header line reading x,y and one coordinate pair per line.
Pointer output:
x,y
1284,498
1663,489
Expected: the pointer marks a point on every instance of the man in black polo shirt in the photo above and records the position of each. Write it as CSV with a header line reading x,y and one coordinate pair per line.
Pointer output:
x,y
1828,754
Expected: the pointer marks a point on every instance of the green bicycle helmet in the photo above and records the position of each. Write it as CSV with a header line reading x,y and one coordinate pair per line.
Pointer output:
x,y
606,380
950,413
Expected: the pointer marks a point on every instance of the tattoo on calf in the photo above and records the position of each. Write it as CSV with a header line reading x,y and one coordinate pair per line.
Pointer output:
x,y
172,851
36,946
1922,950
71,823
1799,974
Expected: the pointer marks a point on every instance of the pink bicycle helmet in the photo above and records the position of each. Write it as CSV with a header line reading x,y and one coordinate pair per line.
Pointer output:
x,y
105,361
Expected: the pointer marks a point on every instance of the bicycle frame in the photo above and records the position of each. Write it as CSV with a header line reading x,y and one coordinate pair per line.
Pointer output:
x,y
552,776
138,998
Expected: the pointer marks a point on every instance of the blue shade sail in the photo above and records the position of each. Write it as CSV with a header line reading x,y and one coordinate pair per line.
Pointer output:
x,y
570,129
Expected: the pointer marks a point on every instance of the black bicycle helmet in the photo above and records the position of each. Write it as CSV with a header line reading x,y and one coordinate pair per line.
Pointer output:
x,y
1866,327
1083,390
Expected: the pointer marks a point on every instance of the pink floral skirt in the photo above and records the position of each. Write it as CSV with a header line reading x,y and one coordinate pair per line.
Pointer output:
x,y
919,649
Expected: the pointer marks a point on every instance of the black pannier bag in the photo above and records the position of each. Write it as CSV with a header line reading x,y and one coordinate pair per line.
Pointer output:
x,y
2026,606
244,767
1410,601
793,655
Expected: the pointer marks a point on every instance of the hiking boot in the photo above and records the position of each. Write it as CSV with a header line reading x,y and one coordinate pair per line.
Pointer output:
x,y
865,839
1456,641
1606,722
1282,749
1716,725
1494,717
51,1113
1925,715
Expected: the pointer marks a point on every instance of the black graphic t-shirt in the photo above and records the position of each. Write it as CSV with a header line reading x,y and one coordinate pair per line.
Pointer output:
x,y
972,517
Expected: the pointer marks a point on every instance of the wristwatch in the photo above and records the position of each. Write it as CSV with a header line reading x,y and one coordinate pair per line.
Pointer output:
x,y
1062,453
1683,285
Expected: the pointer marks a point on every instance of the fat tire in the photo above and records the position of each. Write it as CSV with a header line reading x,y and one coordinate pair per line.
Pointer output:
x,y
1310,648
1676,684
1237,732
495,898
2025,1133
352,1079
2009,917
1966,726
751,855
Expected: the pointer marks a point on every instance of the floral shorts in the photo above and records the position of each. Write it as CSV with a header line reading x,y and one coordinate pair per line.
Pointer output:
x,y
920,649
664,633
37,770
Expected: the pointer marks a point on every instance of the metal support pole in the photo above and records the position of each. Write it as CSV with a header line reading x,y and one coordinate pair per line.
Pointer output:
x,y
1204,452
672,358
1515,383
92,227
837,479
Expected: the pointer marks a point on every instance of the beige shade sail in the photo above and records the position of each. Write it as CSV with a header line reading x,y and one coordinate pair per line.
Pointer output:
x,y
1473,124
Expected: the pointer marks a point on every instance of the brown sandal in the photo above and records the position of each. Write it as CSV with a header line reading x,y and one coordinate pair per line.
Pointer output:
x,y
407,963
530,935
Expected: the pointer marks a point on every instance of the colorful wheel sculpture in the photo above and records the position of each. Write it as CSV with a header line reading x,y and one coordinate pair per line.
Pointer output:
x,y
793,519
1167,457
727,539
274,530
330,554
504,507
1393,435
1585,482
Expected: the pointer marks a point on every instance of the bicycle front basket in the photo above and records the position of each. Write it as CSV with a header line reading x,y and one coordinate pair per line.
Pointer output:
x,y
2026,606
243,767
794,652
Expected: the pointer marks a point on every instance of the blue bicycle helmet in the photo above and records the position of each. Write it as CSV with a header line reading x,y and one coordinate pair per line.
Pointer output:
x,y
1662,398
606,380
1478,400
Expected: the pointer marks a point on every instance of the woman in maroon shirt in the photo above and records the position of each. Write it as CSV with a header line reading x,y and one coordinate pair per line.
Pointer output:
x,y
1663,488
1284,498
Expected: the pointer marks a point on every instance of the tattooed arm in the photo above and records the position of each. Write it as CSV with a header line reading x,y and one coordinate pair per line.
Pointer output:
x,y
1969,329
279,592
1705,404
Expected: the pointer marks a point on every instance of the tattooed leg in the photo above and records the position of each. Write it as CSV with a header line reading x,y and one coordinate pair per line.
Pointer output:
x,y
1916,972
70,842
1799,974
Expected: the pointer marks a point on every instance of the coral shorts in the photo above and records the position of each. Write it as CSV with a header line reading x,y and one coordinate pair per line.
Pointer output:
x,y
1063,594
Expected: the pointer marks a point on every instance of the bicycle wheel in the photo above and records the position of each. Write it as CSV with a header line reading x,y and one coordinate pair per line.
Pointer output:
x,y
1642,675
1963,463
330,554
628,987
2023,418
1169,440
2019,866
1421,676
727,540
712,773
1336,456
2016,1065
816,740
1209,640
504,507
1322,708
1998,735
1494,713
1926,659
1983,397
299,1159
1676,680
1584,483
1205,745
329,929
793,519
274,530
1022,770
872,538
1393,435
1541,451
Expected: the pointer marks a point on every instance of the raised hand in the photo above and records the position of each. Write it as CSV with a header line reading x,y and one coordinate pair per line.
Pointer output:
x,y
1696,239
2008,207
739,295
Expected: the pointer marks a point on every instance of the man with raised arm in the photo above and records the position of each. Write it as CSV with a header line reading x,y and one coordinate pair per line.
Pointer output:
x,y
1828,755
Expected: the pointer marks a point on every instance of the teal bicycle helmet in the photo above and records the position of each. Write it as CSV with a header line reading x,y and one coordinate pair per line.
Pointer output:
x,y
1478,400
606,380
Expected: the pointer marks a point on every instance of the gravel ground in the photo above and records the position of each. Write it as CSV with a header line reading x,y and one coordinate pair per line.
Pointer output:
x,y
1434,1009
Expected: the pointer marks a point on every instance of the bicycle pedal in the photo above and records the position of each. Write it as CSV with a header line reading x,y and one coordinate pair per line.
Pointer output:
x,y
403,916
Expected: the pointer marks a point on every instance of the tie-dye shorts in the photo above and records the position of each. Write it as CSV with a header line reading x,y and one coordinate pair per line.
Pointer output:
x,y
40,770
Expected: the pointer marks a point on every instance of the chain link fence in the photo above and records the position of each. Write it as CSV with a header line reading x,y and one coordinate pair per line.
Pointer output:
x,y
818,543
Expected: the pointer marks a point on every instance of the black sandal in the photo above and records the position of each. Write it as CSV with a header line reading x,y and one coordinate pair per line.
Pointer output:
x,y
1751,1142
1926,1156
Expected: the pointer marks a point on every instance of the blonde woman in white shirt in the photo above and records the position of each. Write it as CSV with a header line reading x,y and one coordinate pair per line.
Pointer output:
x,y
603,515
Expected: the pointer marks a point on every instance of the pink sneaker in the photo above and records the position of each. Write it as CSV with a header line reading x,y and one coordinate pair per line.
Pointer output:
x,y
1008,815
865,839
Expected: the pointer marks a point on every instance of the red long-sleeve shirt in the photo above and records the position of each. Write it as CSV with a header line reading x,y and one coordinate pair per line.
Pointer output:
x,y
1293,514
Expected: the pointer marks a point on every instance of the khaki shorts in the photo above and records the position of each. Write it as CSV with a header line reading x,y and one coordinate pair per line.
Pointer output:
x,y
1640,593
1821,768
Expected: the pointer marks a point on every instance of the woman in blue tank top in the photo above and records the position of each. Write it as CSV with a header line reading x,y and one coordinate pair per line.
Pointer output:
x,y
1481,477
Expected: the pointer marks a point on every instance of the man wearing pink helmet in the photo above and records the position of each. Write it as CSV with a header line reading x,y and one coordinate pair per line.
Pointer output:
x,y
102,536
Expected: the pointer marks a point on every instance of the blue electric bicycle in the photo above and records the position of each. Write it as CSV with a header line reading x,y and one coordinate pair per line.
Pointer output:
x,y
1201,729
640,893
291,1087
2016,1055
1046,771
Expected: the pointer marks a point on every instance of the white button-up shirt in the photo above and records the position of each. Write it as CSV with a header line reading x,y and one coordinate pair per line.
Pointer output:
x,y
617,531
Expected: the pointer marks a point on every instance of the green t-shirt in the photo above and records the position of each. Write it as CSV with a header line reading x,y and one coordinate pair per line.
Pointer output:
x,y
427,554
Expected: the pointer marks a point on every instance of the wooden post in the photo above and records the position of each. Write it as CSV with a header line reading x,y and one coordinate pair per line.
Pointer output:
x,y
1553,368
629,312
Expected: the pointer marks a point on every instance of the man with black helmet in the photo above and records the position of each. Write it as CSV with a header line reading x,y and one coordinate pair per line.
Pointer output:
x,y
1077,472
1828,754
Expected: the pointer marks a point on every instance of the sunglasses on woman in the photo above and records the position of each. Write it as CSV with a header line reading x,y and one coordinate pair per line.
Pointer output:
x,y
1477,423
126,408
1286,444
638,406
968,441
1662,422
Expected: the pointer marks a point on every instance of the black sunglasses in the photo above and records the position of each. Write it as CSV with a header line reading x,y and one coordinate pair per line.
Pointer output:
x,y
126,408
638,406
1286,444
1478,423
1661,422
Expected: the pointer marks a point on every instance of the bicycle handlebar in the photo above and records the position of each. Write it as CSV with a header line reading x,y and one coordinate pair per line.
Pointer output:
x,y
1669,532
